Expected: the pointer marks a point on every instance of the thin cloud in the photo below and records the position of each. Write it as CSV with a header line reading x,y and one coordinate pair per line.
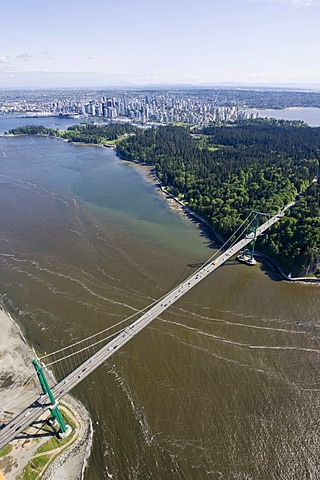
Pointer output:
x,y
24,56
4,59
45,55
7,75
294,3
299,3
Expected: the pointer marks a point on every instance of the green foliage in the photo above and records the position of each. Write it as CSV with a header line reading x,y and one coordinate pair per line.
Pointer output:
x,y
54,442
37,463
97,134
6,450
34,130
224,172
84,133
34,467
295,241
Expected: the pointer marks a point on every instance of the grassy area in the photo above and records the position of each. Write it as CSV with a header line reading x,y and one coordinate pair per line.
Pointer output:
x,y
112,143
204,144
6,450
36,465
34,468
180,124
212,148
54,442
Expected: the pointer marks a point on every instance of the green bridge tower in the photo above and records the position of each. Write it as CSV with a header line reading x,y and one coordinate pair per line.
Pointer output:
x,y
255,225
55,412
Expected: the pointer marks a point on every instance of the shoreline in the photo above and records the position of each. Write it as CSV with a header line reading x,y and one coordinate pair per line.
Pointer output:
x,y
184,210
181,207
15,373
63,468
82,144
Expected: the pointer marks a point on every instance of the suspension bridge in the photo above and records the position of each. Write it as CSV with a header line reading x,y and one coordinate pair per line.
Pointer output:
x,y
244,235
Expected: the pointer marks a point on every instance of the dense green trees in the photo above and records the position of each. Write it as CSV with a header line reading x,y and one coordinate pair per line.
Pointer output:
x,y
98,134
33,130
83,133
223,172
295,241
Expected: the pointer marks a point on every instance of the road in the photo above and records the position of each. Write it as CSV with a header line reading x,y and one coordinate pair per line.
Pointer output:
x,y
30,414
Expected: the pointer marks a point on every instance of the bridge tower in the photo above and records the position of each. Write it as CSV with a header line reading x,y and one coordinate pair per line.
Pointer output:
x,y
255,225
247,255
55,412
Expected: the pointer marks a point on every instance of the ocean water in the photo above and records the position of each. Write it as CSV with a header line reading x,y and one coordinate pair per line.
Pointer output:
x,y
224,385
307,114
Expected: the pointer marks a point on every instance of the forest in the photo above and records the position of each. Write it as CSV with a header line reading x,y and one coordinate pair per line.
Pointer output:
x,y
83,133
98,134
33,130
224,172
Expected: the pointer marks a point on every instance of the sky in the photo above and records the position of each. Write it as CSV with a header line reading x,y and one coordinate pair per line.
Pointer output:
x,y
81,43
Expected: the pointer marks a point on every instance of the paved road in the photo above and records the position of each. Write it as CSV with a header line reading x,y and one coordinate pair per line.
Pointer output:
x,y
30,414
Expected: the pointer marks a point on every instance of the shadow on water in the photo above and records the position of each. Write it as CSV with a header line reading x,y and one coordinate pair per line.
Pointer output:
x,y
270,270
205,230
183,275
267,265
194,265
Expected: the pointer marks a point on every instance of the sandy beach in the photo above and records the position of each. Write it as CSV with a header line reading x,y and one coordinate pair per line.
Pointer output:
x,y
18,385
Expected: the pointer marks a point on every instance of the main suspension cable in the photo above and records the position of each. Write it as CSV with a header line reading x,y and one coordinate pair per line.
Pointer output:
x,y
83,349
154,302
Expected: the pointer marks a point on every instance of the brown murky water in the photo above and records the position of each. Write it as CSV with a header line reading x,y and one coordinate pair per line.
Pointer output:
x,y
225,385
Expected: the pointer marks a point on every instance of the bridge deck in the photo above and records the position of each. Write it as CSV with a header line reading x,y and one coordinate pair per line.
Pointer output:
x,y
30,414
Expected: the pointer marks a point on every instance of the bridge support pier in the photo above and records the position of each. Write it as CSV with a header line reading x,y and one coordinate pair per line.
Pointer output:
x,y
66,433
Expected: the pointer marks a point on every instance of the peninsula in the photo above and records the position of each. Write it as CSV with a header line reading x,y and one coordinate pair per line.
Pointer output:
x,y
222,172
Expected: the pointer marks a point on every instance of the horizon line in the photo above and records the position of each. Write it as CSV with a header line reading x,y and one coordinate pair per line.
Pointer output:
x,y
167,85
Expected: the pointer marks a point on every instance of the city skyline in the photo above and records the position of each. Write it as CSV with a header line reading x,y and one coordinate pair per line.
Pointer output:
x,y
245,42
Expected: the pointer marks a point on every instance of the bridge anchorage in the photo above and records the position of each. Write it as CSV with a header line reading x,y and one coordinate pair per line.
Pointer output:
x,y
246,234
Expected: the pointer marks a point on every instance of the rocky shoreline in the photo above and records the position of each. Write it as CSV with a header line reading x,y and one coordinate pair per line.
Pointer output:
x,y
72,463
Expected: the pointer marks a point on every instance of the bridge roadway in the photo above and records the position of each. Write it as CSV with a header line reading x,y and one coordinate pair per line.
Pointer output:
x,y
31,413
